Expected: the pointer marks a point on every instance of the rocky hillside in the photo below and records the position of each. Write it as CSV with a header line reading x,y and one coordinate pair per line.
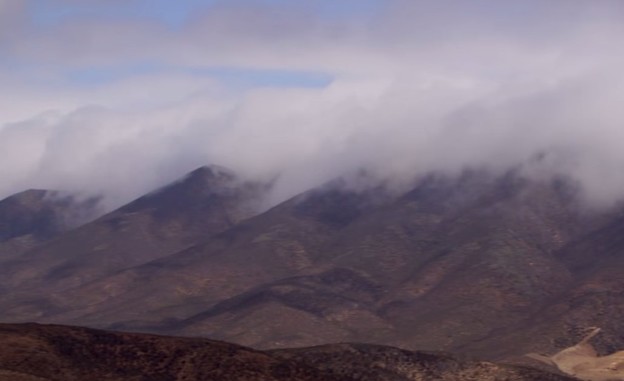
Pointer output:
x,y
33,352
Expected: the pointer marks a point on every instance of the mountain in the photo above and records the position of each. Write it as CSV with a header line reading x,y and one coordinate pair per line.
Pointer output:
x,y
34,216
274,245
50,353
205,202
480,264
446,266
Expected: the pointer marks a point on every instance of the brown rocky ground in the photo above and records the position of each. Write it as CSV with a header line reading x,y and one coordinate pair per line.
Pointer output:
x,y
31,352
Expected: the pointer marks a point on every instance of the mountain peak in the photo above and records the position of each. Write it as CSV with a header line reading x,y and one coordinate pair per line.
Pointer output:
x,y
189,191
213,171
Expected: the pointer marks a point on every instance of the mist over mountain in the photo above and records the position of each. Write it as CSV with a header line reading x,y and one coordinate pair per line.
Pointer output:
x,y
399,88
43,214
402,175
480,264
35,216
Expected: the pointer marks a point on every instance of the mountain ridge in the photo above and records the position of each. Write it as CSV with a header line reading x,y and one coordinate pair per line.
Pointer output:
x,y
490,265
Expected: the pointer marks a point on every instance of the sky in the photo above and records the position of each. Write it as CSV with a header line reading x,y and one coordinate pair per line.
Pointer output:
x,y
117,97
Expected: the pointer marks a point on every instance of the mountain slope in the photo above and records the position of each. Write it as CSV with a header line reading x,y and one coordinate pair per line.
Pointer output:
x,y
593,298
444,267
279,243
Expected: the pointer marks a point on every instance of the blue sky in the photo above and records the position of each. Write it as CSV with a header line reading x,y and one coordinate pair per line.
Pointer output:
x,y
175,13
234,78
48,14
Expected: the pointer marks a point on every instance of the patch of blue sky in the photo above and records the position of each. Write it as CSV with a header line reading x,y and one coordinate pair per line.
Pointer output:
x,y
330,9
241,77
349,8
170,12
100,75
229,76
175,12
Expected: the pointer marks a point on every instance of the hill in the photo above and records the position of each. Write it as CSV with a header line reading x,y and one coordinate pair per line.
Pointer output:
x,y
53,353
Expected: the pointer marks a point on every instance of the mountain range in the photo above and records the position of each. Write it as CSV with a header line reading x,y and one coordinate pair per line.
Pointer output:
x,y
488,265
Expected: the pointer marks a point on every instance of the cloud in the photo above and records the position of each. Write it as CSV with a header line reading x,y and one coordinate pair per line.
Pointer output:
x,y
418,86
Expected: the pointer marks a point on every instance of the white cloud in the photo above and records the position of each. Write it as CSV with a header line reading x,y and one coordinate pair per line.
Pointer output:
x,y
423,86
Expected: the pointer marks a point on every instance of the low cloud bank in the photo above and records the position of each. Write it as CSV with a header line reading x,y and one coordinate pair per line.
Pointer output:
x,y
418,87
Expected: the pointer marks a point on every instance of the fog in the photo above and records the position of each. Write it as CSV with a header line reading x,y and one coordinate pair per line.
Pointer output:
x,y
415,87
